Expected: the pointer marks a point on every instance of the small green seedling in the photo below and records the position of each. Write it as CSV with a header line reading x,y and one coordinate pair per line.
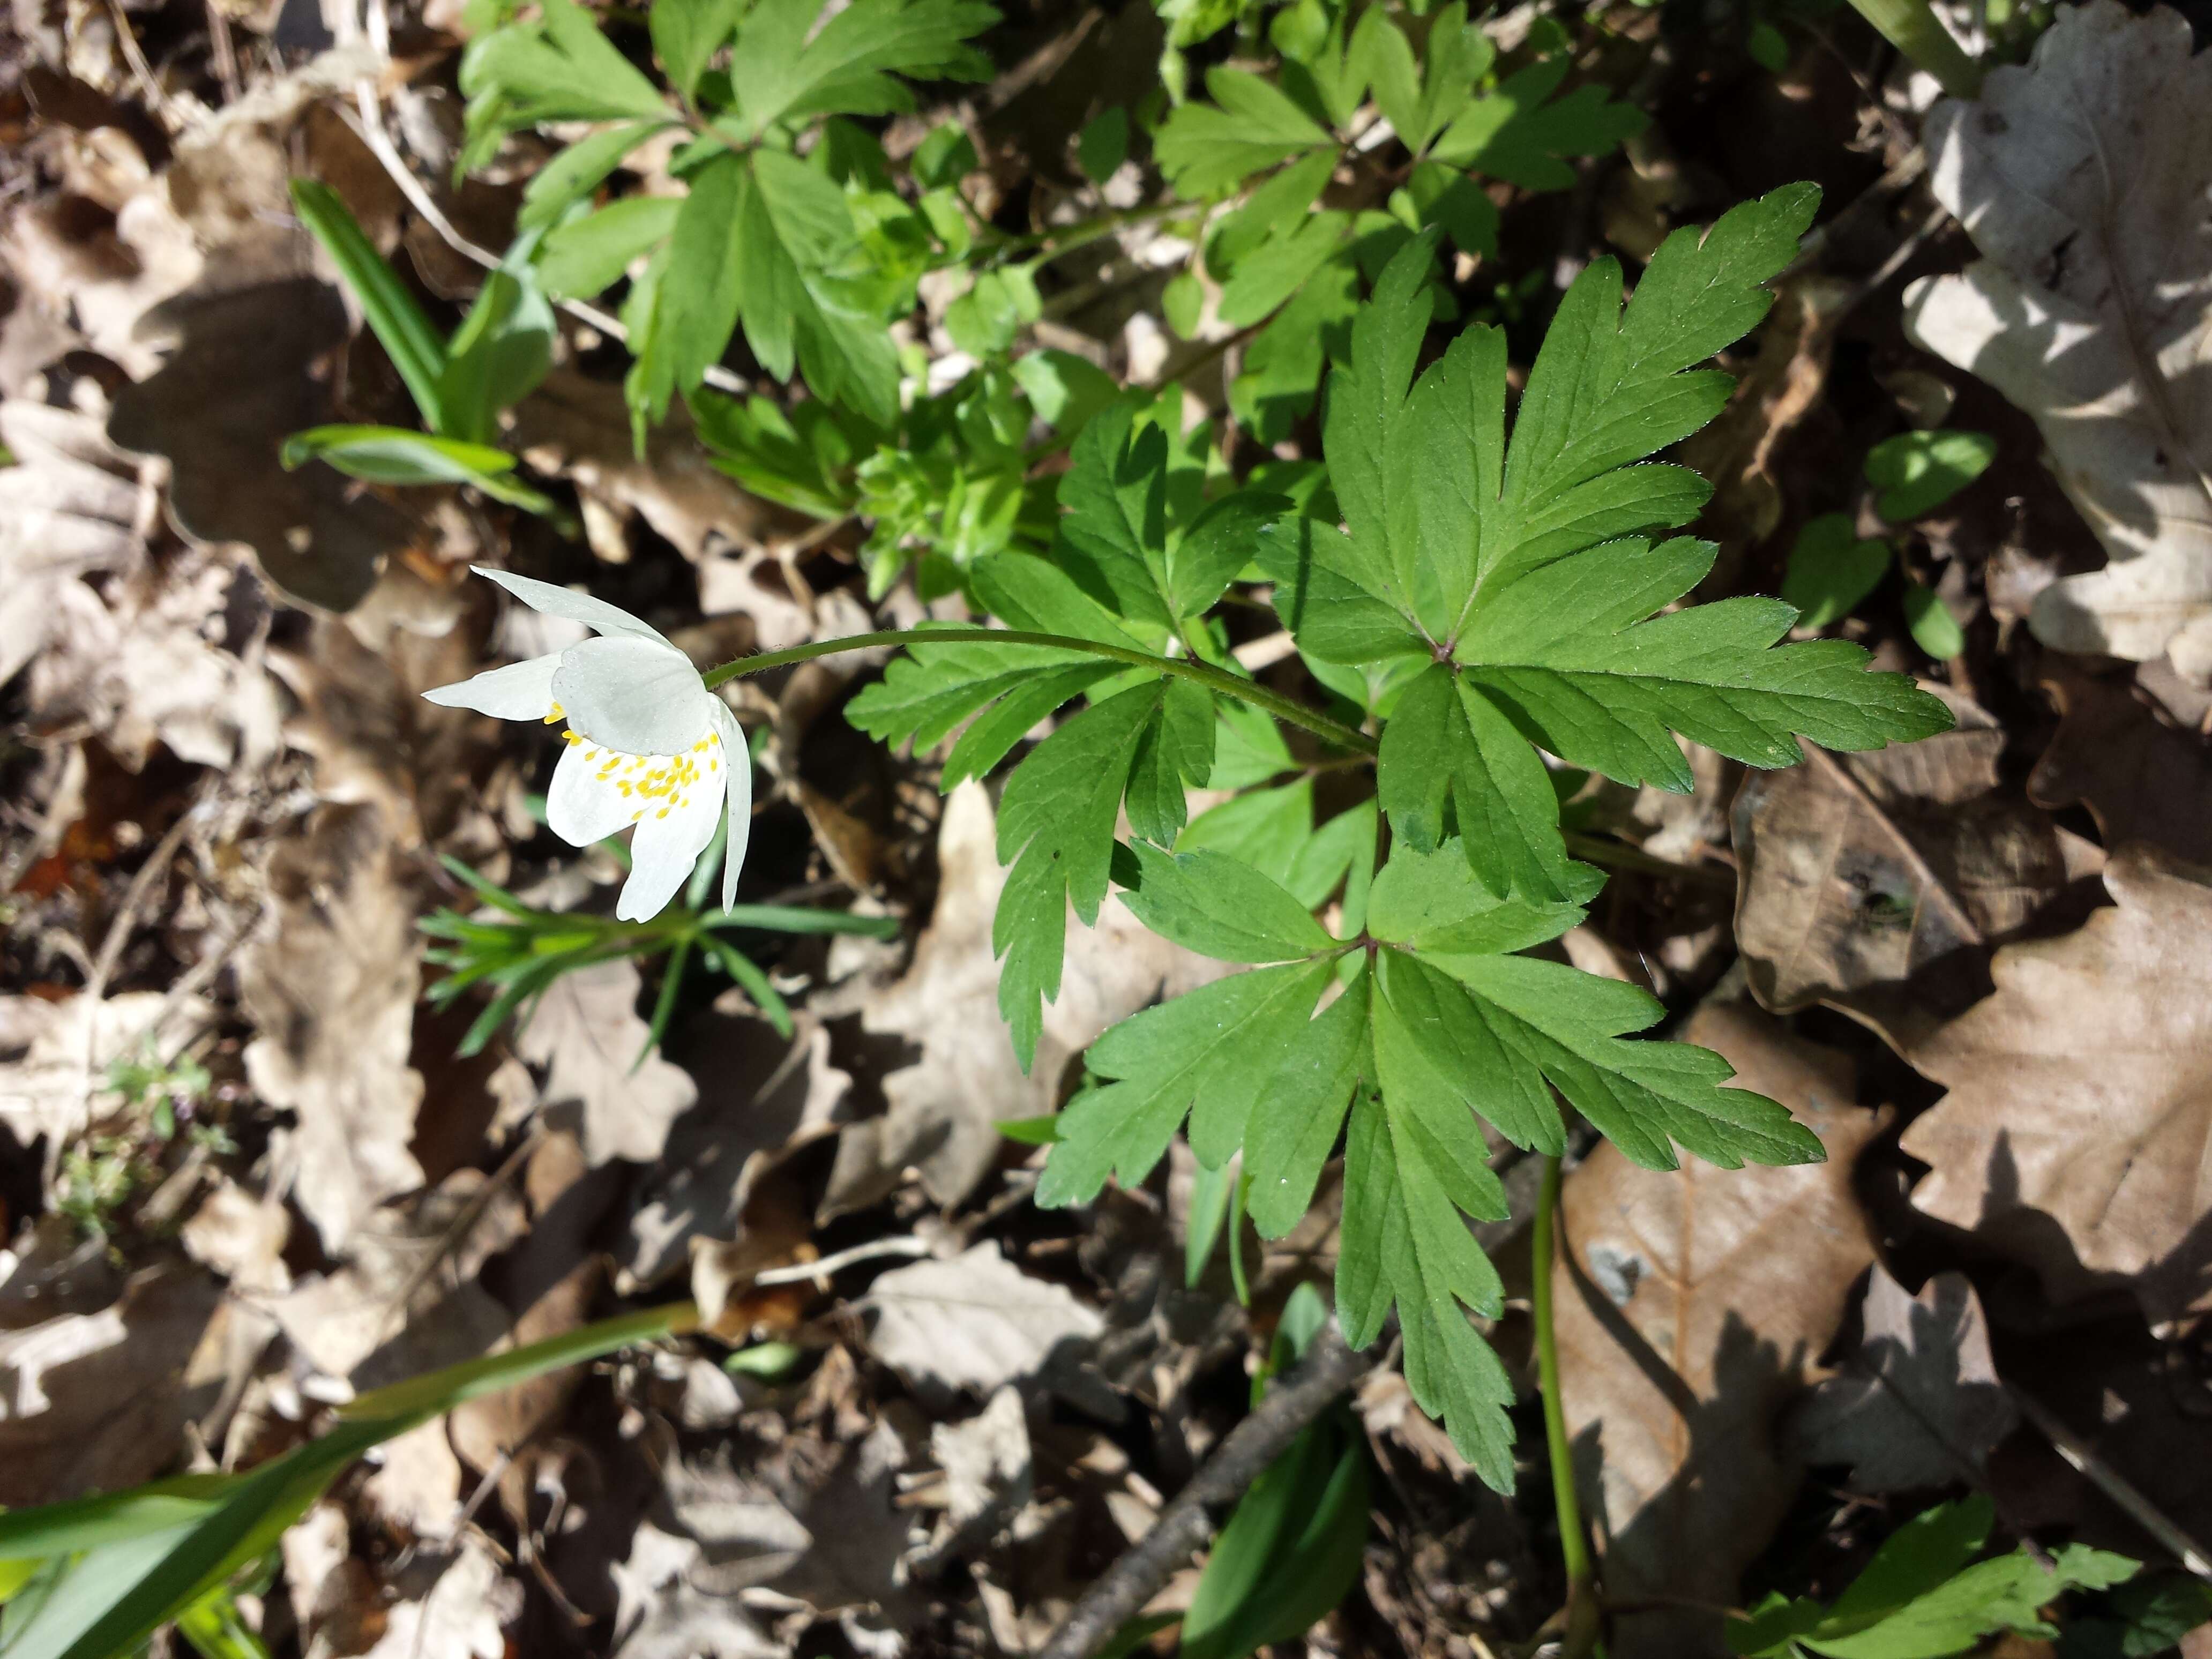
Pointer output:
x,y
1832,569
1923,1596
502,351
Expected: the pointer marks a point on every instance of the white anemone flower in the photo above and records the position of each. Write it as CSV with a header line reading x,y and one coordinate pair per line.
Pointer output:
x,y
648,745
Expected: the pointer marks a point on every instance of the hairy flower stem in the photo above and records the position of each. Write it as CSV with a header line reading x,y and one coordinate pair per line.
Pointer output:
x,y
1582,1613
1205,674
1913,27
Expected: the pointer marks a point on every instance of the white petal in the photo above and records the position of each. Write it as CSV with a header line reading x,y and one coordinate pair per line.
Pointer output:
x,y
671,834
520,691
587,803
633,695
555,601
739,767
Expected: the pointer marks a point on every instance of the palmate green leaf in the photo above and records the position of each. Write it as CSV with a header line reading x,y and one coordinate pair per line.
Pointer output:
x,y
1443,1028
762,237
784,67
1515,567
559,68
1250,124
1521,134
1004,689
1135,533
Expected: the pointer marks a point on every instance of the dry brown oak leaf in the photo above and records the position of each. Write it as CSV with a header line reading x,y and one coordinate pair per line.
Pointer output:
x,y
2118,751
1693,1305
2083,180
2077,1132
1875,883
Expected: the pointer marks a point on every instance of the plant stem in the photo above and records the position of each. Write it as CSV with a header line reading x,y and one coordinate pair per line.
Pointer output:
x,y
1913,27
1205,674
1119,1594
1583,1629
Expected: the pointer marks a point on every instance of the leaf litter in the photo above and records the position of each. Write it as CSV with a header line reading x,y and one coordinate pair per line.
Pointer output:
x,y
244,1174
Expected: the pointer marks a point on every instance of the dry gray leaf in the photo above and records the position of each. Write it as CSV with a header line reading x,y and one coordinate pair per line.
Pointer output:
x,y
586,1032
459,1616
240,381
70,505
331,985
406,1300
96,1401
2083,180
945,1110
762,1094
1919,1405
2080,1108
989,1476
1695,1301
976,1323
2143,774
135,664
663,1615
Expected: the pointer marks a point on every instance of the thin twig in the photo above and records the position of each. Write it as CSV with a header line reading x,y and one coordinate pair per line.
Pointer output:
x,y
373,134
222,49
1328,1369
2082,1456
801,1271
141,71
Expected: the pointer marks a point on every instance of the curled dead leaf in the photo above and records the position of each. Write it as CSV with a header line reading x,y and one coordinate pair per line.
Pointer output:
x,y
2080,1108
1876,883
2082,178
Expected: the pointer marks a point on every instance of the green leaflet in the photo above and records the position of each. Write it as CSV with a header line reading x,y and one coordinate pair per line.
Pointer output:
x,y
1404,1243
1196,1051
1449,745
1056,827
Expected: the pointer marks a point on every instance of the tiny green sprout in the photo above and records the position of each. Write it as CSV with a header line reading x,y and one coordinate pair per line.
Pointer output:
x,y
1830,570
771,1362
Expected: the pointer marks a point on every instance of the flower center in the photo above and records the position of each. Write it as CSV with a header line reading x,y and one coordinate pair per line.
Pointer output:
x,y
653,783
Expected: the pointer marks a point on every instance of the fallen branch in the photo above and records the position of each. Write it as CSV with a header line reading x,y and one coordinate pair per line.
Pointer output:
x,y
1123,1590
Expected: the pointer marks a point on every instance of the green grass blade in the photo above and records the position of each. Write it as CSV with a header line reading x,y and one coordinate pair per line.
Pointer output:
x,y
416,349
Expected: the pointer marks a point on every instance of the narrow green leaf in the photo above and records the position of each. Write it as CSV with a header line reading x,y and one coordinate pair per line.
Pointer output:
x,y
394,455
415,346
